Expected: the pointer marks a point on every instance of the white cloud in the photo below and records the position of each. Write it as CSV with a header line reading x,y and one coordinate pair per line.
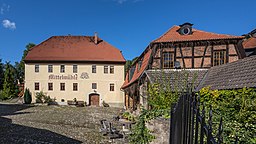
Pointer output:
x,y
4,8
8,24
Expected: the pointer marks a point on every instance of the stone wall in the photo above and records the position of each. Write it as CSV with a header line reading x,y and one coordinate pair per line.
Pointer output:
x,y
161,130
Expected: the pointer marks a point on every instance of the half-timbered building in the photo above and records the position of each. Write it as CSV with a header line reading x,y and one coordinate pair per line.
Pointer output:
x,y
181,47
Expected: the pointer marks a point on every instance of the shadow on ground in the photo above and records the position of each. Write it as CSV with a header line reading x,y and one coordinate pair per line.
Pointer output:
x,y
13,133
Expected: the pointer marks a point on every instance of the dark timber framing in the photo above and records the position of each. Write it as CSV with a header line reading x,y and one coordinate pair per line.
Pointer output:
x,y
161,56
183,61
227,53
200,53
175,50
212,55
205,49
193,54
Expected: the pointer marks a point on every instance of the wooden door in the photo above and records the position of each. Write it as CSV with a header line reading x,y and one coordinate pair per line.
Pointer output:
x,y
94,99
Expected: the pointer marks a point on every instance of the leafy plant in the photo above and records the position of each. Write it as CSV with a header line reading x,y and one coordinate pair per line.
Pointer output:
x,y
161,97
27,96
9,83
140,133
41,97
238,110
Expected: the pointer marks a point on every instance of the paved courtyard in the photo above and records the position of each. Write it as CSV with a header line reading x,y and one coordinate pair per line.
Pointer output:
x,y
54,124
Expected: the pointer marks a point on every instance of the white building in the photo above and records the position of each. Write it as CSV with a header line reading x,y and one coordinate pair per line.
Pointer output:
x,y
82,67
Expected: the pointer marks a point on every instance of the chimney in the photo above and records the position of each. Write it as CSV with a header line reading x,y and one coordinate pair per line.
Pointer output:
x,y
96,38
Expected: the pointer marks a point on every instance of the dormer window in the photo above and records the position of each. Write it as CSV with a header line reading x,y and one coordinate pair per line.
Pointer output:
x,y
185,29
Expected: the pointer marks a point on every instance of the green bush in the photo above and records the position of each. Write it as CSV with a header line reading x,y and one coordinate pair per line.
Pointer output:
x,y
27,96
238,110
41,97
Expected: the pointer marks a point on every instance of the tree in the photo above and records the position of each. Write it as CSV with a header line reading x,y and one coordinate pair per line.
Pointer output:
x,y
10,84
20,67
27,97
1,74
128,64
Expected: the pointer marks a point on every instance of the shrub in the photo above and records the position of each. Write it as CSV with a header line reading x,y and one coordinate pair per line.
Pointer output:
x,y
27,96
41,97
238,110
1,95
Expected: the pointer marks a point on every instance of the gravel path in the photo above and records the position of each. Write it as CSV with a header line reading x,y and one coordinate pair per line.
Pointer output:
x,y
54,124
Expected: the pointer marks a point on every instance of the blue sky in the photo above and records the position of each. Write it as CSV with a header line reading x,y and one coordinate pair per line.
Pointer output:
x,y
129,25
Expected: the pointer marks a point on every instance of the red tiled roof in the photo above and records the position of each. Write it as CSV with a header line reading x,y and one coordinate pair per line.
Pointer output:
x,y
249,43
172,35
74,48
137,73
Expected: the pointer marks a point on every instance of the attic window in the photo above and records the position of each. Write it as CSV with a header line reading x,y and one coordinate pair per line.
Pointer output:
x,y
185,29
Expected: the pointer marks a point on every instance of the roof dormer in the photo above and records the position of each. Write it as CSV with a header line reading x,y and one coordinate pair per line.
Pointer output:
x,y
185,29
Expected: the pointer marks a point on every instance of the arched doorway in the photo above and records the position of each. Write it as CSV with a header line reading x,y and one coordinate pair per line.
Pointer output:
x,y
94,99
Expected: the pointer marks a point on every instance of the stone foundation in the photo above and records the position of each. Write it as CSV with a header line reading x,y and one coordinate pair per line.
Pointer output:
x,y
161,130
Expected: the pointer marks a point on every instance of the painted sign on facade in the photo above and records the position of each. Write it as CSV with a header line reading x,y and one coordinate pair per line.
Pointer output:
x,y
63,77
84,75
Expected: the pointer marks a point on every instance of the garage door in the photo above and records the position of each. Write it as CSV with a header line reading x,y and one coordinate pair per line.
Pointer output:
x,y
94,99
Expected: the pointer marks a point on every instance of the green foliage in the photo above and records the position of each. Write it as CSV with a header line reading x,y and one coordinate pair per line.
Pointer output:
x,y
1,74
238,110
140,133
20,67
9,85
2,97
27,96
160,99
128,64
41,97
128,116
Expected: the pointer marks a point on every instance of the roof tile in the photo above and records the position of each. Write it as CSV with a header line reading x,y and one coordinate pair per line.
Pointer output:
x,y
173,36
74,48
137,73
249,43
238,74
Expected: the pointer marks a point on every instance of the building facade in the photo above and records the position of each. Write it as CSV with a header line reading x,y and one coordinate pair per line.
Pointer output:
x,y
76,67
181,47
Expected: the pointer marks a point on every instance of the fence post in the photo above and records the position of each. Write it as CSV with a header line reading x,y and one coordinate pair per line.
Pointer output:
x,y
202,123
193,108
197,118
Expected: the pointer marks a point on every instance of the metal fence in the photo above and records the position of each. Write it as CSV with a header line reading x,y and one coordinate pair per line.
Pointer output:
x,y
189,124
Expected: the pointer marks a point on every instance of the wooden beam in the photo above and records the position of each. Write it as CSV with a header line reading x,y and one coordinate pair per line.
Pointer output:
x,y
161,55
205,49
227,53
183,61
152,56
193,54
175,51
212,55
189,57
